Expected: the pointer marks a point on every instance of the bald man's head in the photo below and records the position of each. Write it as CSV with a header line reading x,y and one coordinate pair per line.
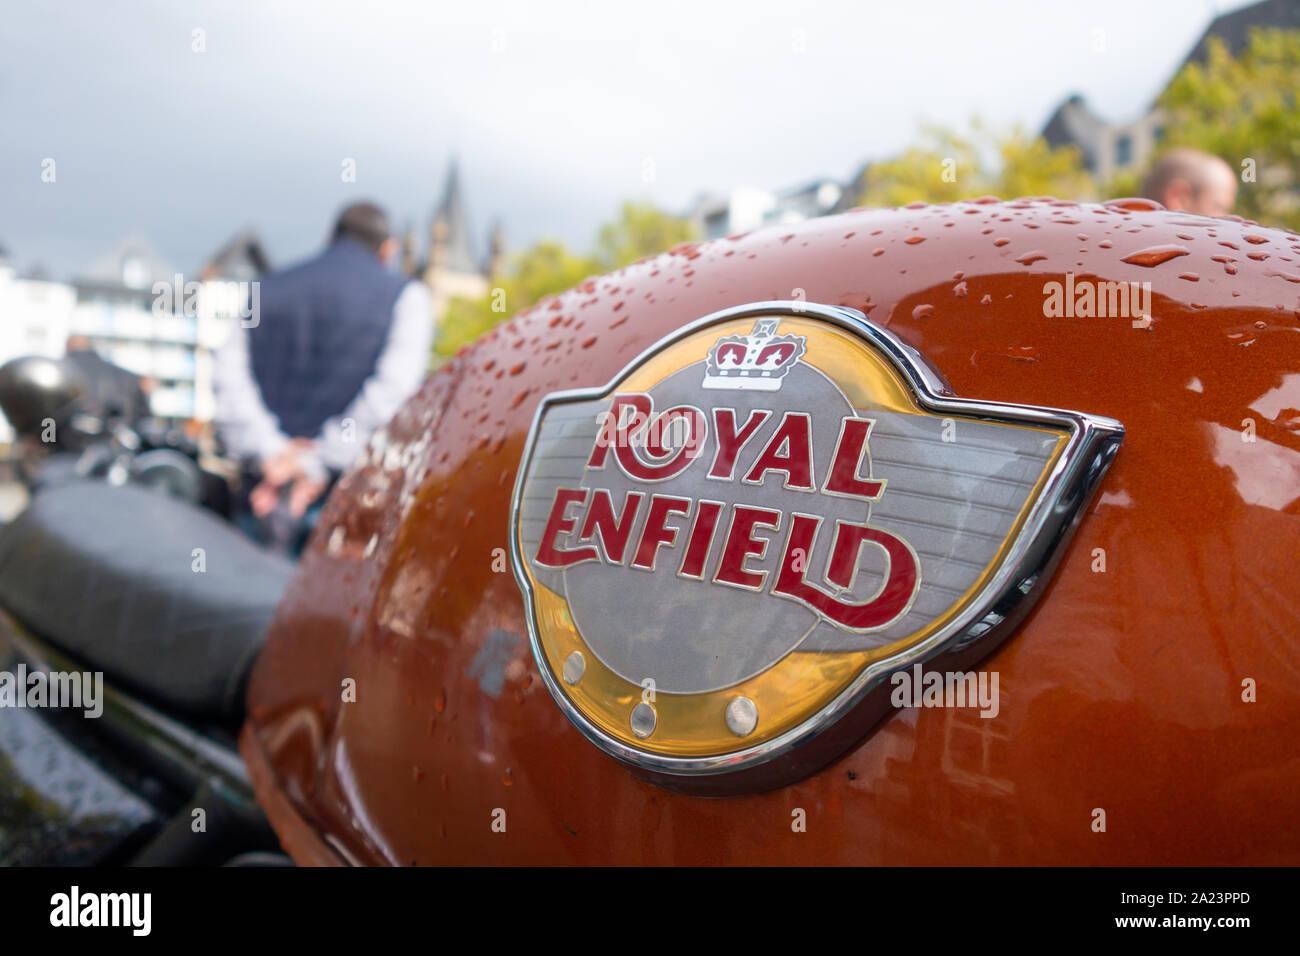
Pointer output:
x,y
1188,180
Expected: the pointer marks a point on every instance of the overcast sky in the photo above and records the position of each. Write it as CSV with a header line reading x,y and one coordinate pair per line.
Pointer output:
x,y
556,110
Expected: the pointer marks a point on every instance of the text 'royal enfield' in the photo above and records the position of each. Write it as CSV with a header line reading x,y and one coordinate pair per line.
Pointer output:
x,y
728,549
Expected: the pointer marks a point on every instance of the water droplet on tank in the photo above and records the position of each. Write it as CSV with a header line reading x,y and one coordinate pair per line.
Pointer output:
x,y
1154,255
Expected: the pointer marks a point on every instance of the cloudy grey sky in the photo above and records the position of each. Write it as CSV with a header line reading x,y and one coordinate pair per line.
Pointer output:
x,y
554,108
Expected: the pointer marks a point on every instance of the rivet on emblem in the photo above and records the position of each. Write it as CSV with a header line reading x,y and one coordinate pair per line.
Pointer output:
x,y
574,665
742,716
643,720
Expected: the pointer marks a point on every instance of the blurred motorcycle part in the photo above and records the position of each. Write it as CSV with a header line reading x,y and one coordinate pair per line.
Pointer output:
x,y
36,392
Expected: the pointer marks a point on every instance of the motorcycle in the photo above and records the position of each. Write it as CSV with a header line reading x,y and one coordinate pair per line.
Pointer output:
x,y
79,417
121,520
676,587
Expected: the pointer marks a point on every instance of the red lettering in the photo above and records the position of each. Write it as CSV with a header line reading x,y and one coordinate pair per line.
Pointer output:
x,y
557,524
794,434
656,532
651,431
900,584
741,544
613,532
730,441
697,546
849,452
618,428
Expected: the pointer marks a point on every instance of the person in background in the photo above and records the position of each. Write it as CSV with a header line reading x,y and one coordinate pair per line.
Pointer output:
x,y
335,347
1188,180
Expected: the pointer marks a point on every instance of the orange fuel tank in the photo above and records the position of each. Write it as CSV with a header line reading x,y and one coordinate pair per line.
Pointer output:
x,y
1149,703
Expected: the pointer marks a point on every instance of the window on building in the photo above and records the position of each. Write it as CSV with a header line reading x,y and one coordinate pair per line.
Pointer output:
x,y
135,273
1123,150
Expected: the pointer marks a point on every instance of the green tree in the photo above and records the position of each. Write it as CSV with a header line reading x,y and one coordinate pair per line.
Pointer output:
x,y
549,268
546,268
1125,183
1027,166
1244,109
463,322
946,166
641,230
942,167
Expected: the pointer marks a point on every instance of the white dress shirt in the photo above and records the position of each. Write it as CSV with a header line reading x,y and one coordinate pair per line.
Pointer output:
x,y
250,430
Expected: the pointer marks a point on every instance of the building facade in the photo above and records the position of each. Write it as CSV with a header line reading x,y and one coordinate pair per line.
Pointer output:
x,y
37,316
745,208
1106,148
1111,147
131,307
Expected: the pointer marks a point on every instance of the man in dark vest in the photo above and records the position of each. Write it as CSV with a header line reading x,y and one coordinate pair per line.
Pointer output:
x,y
332,349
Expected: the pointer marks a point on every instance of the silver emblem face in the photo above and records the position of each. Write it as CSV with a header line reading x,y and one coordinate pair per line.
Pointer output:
x,y
764,516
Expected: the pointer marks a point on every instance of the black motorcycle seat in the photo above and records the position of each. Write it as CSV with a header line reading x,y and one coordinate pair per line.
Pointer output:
x,y
164,597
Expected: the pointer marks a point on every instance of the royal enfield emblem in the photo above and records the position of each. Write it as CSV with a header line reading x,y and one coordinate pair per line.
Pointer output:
x,y
727,551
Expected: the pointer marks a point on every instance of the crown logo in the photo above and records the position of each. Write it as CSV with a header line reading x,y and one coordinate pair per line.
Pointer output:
x,y
757,361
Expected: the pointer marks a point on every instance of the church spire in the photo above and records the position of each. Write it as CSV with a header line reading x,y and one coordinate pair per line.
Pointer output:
x,y
451,247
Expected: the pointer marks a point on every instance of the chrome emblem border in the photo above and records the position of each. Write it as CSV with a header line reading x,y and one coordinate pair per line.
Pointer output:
x,y
987,619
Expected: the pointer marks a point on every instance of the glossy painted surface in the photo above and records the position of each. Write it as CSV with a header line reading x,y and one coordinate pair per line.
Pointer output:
x,y
1123,691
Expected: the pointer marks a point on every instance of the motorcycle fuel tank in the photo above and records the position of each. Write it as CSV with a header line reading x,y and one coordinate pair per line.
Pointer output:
x,y
659,570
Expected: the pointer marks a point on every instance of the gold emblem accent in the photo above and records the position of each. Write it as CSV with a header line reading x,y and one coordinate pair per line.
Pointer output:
x,y
802,683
